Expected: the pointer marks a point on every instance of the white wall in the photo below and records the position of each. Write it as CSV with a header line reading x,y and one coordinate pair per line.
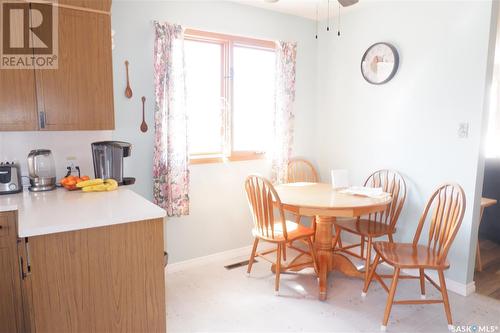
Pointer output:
x,y
409,124
219,218
15,146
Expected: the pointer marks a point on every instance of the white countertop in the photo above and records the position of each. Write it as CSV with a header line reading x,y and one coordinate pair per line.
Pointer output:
x,y
61,210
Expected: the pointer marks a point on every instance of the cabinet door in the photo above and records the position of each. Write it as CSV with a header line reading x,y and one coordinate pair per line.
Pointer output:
x,y
11,313
79,94
107,279
17,100
101,5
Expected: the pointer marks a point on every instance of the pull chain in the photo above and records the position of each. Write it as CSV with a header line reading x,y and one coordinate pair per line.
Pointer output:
x,y
338,29
317,20
328,16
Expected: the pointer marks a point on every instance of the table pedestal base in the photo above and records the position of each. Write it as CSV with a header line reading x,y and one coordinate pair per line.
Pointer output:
x,y
327,260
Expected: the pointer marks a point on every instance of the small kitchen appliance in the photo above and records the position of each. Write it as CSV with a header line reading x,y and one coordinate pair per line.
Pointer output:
x,y
10,178
41,169
108,160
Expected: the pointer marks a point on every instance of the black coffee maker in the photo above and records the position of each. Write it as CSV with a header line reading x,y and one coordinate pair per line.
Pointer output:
x,y
108,160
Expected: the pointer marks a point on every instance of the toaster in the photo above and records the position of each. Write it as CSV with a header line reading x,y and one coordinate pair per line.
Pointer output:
x,y
10,178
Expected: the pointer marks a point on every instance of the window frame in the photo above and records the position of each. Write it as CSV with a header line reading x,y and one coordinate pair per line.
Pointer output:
x,y
227,42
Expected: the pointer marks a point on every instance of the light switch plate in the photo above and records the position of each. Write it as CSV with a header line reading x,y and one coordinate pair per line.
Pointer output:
x,y
463,130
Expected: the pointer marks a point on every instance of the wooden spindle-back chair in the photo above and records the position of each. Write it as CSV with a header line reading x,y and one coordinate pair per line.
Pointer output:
x,y
270,224
444,213
300,170
377,224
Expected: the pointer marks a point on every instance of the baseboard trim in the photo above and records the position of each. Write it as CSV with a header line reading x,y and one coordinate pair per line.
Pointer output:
x,y
200,261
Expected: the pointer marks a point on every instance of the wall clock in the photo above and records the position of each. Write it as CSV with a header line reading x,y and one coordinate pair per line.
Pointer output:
x,y
380,63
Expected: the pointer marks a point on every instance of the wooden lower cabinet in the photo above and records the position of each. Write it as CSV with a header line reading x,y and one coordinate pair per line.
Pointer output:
x,y
104,279
11,305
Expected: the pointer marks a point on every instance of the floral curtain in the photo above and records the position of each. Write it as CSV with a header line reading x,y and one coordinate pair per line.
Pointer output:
x,y
286,53
170,160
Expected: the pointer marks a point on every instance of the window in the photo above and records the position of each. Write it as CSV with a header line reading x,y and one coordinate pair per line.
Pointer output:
x,y
230,96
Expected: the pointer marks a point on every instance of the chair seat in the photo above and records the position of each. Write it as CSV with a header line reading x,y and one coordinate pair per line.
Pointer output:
x,y
404,255
294,231
364,227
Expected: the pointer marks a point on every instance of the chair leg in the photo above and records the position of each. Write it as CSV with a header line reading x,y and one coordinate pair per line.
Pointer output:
x,y
283,248
313,255
390,298
297,220
368,258
278,268
390,238
336,238
446,301
422,284
252,256
373,268
362,248
313,226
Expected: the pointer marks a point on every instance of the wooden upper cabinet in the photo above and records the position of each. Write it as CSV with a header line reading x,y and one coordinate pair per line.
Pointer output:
x,y
98,5
17,100
79,94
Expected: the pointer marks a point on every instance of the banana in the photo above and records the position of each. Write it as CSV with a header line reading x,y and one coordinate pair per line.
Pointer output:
x,y
99,185
92,182
111,184
95,188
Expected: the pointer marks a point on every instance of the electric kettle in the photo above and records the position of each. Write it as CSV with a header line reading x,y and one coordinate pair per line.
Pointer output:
x,y
41,169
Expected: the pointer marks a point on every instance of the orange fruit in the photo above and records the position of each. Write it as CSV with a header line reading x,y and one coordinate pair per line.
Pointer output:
x,y
84,178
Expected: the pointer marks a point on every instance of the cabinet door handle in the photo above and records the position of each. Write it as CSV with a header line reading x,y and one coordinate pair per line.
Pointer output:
x,y
28,260
27,272
21,269
42,119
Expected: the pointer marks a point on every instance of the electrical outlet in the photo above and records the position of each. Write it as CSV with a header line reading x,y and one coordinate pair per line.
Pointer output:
x,y
72,162
463,130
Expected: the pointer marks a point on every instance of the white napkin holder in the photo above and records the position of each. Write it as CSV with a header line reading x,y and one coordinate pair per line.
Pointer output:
x,y
340,178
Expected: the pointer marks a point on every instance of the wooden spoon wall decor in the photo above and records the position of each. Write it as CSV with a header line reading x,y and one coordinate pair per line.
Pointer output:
x,y
144,126
128,90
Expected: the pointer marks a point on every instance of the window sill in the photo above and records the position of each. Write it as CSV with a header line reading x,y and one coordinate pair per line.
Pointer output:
x,y
233,158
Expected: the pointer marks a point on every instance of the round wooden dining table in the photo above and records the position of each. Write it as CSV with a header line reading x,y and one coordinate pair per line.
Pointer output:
x,y
327,204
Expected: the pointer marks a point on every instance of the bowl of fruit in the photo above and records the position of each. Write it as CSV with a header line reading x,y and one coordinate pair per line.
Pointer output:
x,y
72,183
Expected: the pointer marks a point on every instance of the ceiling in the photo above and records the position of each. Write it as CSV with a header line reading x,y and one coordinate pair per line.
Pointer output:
x,y
303,8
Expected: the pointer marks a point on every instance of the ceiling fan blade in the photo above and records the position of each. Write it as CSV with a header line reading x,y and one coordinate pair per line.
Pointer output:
x,y
347,3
